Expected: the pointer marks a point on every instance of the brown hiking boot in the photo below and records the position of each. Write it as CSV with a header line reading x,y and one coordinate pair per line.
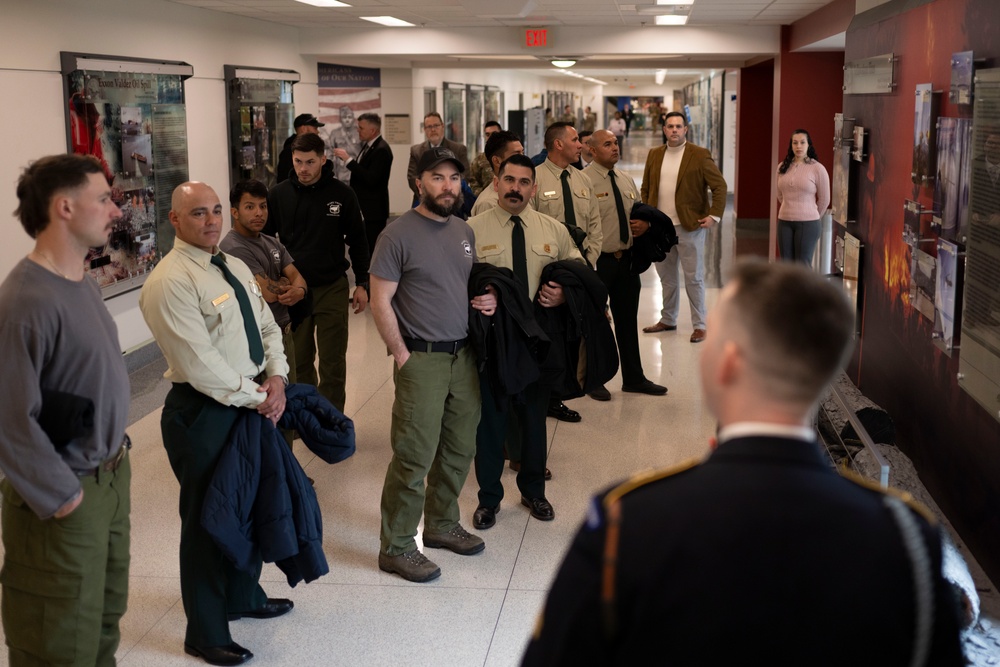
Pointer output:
x,y
457,539
412,566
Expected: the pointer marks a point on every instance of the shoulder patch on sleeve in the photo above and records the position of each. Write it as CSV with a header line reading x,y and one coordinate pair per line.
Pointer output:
x,y
905,496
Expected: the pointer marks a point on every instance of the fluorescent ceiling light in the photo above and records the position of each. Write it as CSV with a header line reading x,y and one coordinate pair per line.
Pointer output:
x,y
659,76
671,19
563,63
390,21
324,3
669,2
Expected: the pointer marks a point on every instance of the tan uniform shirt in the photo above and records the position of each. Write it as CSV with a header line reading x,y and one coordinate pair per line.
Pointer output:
x,y
486,200
549,200
601,181
546,240
195,318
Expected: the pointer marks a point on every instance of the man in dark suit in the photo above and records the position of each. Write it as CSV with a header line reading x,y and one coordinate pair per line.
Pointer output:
x,y
730,561
370,174
434,133
676,180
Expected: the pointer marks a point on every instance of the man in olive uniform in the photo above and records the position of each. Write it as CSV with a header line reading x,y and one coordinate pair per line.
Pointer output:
x,y
616,194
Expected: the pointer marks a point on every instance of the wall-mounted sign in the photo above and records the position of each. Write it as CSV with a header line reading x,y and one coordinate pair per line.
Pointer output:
x,y
536,38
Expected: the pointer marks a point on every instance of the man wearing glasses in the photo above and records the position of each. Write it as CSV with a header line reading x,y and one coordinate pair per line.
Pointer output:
x,y
434,132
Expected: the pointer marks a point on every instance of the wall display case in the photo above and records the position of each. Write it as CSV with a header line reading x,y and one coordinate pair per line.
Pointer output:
x,y
129,113
260,110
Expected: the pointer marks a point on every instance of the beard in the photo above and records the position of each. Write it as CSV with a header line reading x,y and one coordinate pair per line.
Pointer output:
x,y
440,209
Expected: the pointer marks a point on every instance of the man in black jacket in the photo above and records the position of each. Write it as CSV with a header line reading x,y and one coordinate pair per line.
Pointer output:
x,y
515,236
314,215
741,546
305,123
370,174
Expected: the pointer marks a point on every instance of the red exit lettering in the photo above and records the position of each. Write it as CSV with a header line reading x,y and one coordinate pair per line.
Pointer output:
x,y
538,37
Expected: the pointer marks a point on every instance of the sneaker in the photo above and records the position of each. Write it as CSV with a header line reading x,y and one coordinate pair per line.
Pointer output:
x,y
412,566
457,539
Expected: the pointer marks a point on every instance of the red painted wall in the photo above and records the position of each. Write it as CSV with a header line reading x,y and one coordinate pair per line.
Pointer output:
x,y
754,100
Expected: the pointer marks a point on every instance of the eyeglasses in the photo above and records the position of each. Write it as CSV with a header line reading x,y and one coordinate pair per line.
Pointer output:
x,y
433,127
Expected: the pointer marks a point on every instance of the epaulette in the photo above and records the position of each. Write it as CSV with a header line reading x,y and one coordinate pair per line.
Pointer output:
x,y
904,496
613,514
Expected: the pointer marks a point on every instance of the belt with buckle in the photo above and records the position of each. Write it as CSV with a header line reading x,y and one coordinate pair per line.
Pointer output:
x,y
111,464
449,347
617,254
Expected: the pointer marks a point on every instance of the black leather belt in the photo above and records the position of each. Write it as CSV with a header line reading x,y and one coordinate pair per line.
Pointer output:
x,y
449,347
111,464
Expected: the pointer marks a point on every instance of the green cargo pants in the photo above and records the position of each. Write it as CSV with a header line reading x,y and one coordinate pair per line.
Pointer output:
x,y
328,323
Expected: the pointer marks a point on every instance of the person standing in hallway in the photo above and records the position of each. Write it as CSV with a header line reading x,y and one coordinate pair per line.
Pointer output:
x,y
224,352
617,128
564,193
628,115
677,179
370,175
616,195
694,563
513,236
420,278
434,137
66,499
586,156
304,124
281,285
804,195
500,146
314,215
481,172
589,120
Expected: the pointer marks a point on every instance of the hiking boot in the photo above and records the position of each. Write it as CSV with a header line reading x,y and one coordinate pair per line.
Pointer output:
x,y
457,539
412,566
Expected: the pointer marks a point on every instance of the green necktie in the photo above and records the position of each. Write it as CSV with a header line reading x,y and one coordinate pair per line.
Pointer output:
x,y
568,199
249,323
518,251
622,220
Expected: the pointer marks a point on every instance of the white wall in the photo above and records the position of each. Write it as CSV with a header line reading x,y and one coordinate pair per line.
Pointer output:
x,y
35,31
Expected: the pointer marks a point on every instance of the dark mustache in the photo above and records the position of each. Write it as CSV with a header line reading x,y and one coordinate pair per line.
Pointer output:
x,y
514,195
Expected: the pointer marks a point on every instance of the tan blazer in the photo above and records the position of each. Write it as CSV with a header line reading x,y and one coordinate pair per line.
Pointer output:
x,y
698,174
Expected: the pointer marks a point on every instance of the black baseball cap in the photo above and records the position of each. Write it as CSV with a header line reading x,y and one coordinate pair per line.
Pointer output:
x,y
432,157
307,119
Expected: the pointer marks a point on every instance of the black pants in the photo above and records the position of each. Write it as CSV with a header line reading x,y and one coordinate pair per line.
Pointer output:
x,y
195,428
623,288
490,438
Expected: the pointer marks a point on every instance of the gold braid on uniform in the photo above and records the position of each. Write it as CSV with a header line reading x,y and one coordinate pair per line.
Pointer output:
x,y
612,535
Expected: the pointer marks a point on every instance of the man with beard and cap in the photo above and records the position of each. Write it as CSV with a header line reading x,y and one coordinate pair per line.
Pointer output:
x,y
514,236
420,276
304,124
314,215
616,194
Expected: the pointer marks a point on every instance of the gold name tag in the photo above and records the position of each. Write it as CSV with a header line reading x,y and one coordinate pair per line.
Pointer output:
x,y
550,193
602,195
488,247
220,300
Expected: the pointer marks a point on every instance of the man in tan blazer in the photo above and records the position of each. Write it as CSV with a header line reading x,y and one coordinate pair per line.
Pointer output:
x,y
676,180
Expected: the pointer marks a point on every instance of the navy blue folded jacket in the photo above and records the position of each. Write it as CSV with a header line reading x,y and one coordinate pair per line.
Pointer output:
x,y
260,504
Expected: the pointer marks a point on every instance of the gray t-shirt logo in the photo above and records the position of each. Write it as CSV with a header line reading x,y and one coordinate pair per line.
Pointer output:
x,y
276,256
334,208
468,248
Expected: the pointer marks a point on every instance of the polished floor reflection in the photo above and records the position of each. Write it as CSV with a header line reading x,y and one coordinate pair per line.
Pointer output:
x,y
482,608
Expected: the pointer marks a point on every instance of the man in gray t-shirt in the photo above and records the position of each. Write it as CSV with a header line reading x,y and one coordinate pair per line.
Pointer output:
x,y
65,516
419,279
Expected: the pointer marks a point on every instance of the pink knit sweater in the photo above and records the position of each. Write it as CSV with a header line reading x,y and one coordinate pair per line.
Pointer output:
x,y
803,191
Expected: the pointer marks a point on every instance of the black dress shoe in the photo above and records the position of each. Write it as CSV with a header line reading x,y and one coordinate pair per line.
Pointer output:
x,y
540,508
272,608
230,654
645,387
600,394
562,413
485,517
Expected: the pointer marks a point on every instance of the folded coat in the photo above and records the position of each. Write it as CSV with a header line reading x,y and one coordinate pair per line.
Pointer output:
x,y
260,502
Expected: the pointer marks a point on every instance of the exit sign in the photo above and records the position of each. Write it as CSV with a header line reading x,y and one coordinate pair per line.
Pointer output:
x,y
536,37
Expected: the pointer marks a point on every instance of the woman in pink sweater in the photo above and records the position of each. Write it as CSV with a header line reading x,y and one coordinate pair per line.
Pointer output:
x,y
804,195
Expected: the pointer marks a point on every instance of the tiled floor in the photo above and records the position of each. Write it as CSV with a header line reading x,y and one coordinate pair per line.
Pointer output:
x,y
482,608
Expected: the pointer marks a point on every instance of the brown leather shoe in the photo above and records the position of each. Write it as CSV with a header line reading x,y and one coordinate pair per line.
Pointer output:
x,y
698,336
658,327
